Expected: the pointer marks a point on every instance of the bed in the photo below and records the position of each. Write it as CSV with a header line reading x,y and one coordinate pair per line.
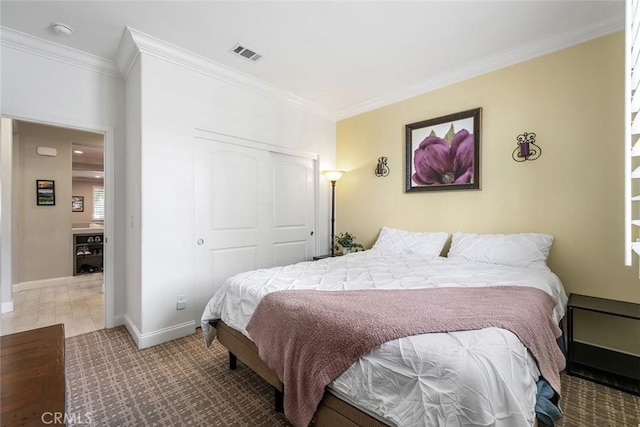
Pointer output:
x,y
466,377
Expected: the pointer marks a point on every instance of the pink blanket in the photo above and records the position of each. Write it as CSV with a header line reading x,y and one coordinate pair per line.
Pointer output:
x,y
309,338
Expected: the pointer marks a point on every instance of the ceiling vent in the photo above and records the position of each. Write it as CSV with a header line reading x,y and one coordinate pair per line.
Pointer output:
x,y
245,52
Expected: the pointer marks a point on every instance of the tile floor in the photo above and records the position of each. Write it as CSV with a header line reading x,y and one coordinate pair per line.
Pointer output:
x,y
80,306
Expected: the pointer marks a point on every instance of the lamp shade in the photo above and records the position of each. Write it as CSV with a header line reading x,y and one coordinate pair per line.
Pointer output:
x,y
333,175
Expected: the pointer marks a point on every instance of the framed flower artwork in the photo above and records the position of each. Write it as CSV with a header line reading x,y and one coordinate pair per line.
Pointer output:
x,y
444,153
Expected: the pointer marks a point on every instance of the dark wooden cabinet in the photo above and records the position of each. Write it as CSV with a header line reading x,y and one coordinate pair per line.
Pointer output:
x,y
604,366
88,253
32,377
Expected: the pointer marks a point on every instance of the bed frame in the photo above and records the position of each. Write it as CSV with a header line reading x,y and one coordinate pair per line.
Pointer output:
x,y
332,411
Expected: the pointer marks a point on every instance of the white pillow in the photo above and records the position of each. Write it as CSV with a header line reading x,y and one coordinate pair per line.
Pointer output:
x,y
396,241
518,250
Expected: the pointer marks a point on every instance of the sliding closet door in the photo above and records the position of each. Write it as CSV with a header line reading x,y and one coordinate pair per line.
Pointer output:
x,y
292,233
254,208
232,230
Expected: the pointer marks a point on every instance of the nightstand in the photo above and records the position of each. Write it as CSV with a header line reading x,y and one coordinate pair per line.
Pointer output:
x,y
317,257
604,366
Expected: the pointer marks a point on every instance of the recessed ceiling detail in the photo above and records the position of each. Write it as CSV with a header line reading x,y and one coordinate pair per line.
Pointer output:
x,y
61,29
245,52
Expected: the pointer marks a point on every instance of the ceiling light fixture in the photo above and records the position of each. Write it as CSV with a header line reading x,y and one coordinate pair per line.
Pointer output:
x,y
77,152
61,29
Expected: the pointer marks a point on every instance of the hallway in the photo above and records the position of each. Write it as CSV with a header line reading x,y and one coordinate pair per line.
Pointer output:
x,y
80,306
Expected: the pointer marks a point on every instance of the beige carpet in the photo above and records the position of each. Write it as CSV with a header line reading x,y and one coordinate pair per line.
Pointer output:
x,y
183,383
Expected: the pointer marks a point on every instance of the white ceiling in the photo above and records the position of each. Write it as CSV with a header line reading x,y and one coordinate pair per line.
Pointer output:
x,y
345,56
90,155
89,164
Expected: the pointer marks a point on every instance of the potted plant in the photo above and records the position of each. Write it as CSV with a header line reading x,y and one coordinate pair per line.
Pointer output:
x,y
347,242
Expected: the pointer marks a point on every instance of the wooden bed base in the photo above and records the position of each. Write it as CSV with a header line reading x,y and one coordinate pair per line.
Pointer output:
x,y
332,410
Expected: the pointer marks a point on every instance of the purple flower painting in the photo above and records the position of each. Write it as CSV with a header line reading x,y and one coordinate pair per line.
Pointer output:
x,y
443,153
437,162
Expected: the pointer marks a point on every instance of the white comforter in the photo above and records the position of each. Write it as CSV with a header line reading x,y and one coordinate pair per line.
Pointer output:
x,y
470,378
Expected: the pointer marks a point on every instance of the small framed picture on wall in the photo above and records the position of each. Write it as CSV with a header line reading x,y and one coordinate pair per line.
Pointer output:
x,y
45,192
77,203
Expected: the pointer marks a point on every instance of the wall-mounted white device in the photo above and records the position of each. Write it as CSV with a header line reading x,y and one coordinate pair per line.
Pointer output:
x,y
46,151
182,303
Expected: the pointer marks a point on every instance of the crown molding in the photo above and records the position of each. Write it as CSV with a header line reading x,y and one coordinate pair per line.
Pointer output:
x,y
127,53
135,42
34,45
492,63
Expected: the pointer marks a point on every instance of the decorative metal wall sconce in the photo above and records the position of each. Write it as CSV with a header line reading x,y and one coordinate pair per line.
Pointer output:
x,y
527,148
381,168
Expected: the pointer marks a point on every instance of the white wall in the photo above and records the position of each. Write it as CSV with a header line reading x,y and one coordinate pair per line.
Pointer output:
x,y
37,88
133,161
6,209
152,196
175,101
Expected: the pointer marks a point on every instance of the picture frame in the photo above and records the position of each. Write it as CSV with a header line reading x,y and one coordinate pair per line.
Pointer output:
x,y
77,203
45,192
444,153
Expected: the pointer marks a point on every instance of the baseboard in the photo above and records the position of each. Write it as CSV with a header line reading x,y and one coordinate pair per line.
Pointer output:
x,y
119,320
155,337
45,283
7,307
123,319
166,334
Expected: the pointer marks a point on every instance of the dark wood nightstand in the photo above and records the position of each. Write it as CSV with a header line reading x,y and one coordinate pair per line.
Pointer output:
x,y
317,257
609,367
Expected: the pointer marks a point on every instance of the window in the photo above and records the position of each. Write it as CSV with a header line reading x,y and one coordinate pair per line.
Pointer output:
x,y
98,203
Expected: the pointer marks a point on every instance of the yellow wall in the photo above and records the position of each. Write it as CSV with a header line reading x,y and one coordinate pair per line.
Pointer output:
x,y
573,101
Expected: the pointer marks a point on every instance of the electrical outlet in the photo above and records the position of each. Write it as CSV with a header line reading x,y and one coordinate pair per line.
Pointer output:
x,y
182,303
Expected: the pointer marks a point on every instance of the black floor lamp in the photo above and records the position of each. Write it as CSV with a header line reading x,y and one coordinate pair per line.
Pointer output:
x,y
333,176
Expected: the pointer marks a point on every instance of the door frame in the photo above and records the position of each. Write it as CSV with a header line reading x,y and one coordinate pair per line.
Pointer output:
x,y
108,133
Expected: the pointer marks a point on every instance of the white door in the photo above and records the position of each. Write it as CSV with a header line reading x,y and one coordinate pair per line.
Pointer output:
x,y
254,209
231,231
292,233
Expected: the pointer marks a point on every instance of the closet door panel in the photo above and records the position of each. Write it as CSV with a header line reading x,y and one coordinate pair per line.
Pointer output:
x,y
254,208
292,232
232,196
